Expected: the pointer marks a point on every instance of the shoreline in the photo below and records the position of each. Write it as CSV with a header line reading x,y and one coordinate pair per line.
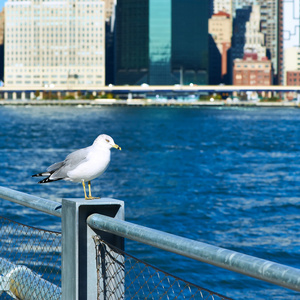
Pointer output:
x,y
145,103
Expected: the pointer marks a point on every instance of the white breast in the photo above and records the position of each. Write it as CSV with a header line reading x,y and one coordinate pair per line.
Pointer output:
x,y
92,167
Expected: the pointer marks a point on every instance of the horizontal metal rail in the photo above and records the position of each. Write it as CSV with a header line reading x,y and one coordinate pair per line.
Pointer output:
x,y
269,271
41,204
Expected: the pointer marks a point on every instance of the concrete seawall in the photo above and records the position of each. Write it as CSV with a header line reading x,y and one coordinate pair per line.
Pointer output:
x,y
142,102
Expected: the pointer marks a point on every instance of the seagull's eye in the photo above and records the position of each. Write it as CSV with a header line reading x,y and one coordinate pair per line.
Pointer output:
x,y
107,140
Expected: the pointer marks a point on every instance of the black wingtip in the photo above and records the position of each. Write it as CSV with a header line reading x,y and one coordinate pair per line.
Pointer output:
x,y
46,180
40,174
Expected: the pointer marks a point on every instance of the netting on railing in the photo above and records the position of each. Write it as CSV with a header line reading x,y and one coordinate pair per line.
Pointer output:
x,y
30,268
142,281
30,261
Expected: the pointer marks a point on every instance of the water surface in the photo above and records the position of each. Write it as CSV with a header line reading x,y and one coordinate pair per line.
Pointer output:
x,y
226,176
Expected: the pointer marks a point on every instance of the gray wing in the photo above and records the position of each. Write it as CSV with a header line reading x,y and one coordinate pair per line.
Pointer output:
x,y
55,166
70,163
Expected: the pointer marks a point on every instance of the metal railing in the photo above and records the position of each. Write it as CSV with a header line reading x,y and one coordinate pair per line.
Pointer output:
x,y
262,269
86,223
140,280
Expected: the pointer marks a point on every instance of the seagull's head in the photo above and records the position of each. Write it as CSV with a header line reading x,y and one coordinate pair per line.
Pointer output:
x,y
105,140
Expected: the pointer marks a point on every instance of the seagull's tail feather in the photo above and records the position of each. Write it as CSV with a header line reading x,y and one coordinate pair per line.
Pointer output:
x,y
42,174
48,179
45,180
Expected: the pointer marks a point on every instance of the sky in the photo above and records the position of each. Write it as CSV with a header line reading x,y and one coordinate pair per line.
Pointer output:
x,y
291,23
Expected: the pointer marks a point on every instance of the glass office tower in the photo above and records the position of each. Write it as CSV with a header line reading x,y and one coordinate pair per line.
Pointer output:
x,y
160,30
161,42
132,42
190,49
242,16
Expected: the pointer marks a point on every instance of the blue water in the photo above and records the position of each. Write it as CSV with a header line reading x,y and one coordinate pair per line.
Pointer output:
x,y
226,176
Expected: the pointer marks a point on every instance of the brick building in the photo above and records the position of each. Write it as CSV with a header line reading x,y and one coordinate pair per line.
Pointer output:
x,y
251,71
293,78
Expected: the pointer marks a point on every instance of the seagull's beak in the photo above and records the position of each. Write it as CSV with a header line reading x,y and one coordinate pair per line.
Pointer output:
x,y
116,146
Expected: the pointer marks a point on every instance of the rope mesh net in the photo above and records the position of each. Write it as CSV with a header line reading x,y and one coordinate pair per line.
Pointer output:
x,y
36,249
142,280
31,258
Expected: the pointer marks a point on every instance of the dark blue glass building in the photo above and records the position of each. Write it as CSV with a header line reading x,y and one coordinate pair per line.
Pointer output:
x,y
161,42
239,31
238,37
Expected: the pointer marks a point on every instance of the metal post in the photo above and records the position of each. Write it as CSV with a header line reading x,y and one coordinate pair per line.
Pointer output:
x,y
79,272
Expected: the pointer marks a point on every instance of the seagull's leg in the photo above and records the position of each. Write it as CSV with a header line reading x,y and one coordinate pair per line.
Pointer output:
x,y
83,184
90,192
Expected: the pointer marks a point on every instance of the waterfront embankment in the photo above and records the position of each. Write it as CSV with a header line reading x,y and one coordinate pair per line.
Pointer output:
x,y
144,102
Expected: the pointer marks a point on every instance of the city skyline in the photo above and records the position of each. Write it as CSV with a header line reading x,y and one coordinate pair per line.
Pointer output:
x,y
70,43
291,28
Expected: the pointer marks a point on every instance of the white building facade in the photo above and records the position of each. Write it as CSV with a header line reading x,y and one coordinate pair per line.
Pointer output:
x,y
59,44
291,61
254,38
223,5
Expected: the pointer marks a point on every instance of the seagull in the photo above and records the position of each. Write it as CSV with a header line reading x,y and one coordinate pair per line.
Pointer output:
x,y
82,165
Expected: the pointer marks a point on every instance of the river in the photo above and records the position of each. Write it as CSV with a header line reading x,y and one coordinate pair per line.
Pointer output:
x,y
229,177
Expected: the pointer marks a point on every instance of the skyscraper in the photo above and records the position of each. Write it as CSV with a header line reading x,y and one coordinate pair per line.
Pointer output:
x,y
254,38
2,26
280,46
110,6
132,42
242,16
51,43
272,28
162,42
190,41
220,27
